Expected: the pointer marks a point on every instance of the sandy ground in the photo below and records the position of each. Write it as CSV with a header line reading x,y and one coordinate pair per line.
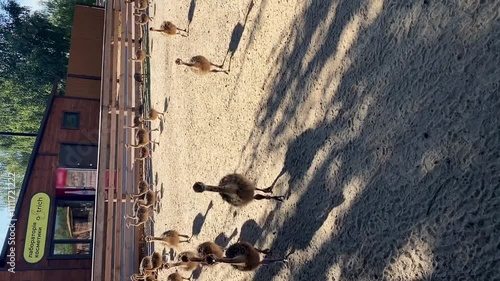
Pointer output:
x,y
382,117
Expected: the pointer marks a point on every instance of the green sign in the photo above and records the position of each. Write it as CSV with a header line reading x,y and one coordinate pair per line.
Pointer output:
x,y
36,230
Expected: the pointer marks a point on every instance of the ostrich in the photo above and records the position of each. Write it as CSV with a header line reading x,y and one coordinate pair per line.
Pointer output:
x,y
140,56
154,114
169,237
236,190
142,135
168,28
139,77
244,257
143,18
146,263
143,187
137,123
149,200
141,217
210,248
140,5
156,262
144,153
201,65
205,253
184,262
176,277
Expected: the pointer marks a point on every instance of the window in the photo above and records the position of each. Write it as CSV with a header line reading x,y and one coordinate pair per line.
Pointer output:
x,y
71,120
78,156
73,228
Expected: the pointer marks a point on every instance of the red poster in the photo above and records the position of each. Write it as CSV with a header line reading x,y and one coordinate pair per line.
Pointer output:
x,y
79,178
76,178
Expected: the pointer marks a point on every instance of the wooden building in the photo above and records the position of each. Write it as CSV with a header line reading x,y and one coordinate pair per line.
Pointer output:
x,y
50,237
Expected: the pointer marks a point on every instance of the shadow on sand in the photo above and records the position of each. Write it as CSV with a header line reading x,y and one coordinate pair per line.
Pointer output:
x,y
199,220
236,38
192,7
409,142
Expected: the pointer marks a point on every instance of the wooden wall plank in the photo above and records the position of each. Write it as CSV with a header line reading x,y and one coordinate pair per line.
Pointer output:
x,y
99,230
121,64
87,34
110,221
128,263
87,132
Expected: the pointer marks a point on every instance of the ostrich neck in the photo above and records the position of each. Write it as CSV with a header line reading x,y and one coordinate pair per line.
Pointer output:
x,y
240,260
229,189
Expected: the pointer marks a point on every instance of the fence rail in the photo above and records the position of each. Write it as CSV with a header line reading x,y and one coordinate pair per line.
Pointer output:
x,y
115,252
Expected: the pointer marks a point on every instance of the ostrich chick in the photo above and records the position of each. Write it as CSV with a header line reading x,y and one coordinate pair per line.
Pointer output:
x,y
142,216
201,65
209,248
169,237
144,153
244,257
150,199
142,18
237,190
154,114
184,262
206,252
140,56
168,28
176,277
137,123
142,136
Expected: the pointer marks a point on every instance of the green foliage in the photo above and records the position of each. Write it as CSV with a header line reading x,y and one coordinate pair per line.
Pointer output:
x,y
35,51
34,47
61,13
64,249
19,112
61,230
11,179
20,109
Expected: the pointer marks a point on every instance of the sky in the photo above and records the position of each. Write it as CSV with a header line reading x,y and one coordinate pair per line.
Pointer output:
x,y
4,210
33,4
4,223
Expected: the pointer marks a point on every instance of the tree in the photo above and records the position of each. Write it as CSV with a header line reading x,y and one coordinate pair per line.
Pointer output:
x,y
61,13
34,51
34,47
34,56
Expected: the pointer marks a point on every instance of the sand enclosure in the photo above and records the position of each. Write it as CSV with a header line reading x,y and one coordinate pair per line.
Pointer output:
x,y
382,118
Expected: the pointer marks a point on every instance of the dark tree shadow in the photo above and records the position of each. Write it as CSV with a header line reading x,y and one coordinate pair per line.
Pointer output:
x,y
192,7
156,178
236,38
199,220
300,154
422,152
